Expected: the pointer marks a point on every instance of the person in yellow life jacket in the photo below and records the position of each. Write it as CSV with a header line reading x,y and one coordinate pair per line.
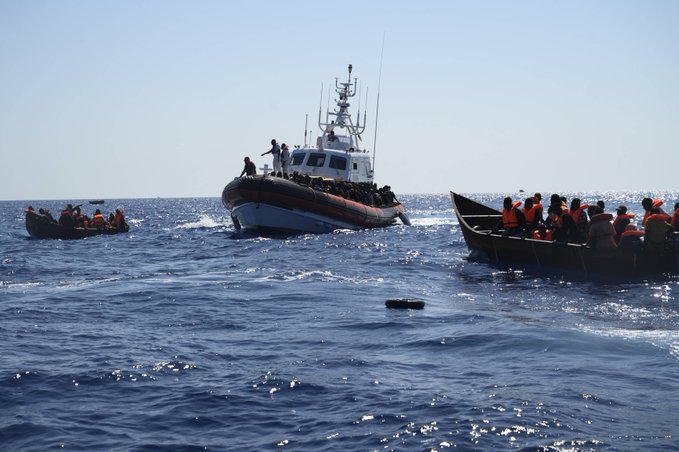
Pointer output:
x,y
578,212
98,220
655,231
513,221
622,220
531,213
631,239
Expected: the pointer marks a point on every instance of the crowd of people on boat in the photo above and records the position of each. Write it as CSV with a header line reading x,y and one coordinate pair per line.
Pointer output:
x,y
591,225
73,217
366,193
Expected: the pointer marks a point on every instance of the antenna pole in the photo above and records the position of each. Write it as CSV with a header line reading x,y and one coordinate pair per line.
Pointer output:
x,y
306,120
377,108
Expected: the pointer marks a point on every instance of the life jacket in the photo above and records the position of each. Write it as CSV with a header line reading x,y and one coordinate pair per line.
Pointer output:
x,y
66,212
98,220
538,208
658,217
548,235
657,202
530,214
675,220
623,216
632,234
576,213
601,217
509,218
119,218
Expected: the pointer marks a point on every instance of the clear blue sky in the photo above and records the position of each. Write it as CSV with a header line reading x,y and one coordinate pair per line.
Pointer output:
x,y
120,99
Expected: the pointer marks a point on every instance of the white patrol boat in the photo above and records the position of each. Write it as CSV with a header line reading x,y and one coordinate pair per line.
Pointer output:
x,y
327,187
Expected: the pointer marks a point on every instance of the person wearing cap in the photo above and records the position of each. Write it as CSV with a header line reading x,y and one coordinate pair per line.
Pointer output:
x,y
250,169
622,220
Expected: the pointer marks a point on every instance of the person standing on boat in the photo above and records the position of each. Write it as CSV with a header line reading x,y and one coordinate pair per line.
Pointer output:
x,y
285,159
250,169
276,152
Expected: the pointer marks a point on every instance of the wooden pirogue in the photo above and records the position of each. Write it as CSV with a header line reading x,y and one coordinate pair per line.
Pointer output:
x,y
477,221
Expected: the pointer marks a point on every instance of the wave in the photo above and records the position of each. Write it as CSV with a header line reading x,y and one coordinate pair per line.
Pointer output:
x,y
205,222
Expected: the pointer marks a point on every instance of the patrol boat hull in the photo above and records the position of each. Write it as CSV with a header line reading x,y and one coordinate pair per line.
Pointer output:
x,y
476,222
277,204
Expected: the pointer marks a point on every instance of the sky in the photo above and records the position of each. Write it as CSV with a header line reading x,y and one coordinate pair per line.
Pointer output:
x,y
161,98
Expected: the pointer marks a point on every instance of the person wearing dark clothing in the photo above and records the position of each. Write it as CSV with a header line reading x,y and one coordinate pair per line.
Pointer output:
x,y
563,226
66,217
630,240
622,220
249,169
578,212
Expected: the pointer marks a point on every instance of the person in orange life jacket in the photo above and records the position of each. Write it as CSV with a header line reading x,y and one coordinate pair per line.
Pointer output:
x,y
601,232
655,231
542,233
250,169
513,221
622,220
531,213
98,219
66,217
579,214
648,204
119,219
631,239
554,203
537,202
563,226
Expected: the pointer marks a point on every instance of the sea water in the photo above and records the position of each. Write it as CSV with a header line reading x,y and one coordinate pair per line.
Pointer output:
x,y
184,334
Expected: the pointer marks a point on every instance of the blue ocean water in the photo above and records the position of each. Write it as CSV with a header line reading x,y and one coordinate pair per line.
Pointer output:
x,y
187,335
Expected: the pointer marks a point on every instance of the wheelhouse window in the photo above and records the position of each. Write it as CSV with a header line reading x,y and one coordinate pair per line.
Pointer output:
x,y
339,163
297,159
316,159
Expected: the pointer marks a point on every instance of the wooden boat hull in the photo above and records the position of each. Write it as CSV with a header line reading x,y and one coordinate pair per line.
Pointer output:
x,y
279,204
476,222
40,227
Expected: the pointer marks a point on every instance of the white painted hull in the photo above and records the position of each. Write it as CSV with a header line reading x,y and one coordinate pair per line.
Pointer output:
x,y
265,216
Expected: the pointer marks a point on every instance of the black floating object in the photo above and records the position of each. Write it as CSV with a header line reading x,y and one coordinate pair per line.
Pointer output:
x,y
404,303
